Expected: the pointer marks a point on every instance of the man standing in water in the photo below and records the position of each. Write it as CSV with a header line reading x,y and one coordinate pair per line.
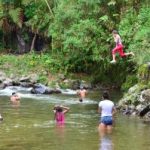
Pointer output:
x,y
119,47
15,99
107,110
82,93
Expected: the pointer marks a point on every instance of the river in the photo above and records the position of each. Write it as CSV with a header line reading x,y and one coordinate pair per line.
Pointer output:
x,y
31,126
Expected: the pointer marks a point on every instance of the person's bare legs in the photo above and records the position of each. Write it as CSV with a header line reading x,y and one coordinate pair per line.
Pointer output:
x,y
102,129
114,58
130,53
109,129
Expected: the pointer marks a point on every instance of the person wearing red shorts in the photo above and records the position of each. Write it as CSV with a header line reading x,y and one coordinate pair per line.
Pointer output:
x,y
119,47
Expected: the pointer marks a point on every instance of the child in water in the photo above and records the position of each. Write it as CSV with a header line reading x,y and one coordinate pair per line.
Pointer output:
x,y
59,112
119,47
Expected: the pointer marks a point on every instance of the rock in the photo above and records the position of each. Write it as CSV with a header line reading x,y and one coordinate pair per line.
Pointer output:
x,y
133,89
146,95
2,78
15,83
7,82
139,107
86,85
42,89
145,111
34,78
26,84
25,79
75,84
2,86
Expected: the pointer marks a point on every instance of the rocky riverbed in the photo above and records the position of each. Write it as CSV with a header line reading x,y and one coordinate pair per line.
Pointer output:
x,y
32,80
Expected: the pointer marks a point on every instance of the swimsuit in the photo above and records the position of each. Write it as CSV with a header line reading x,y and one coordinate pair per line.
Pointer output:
x,y
60,118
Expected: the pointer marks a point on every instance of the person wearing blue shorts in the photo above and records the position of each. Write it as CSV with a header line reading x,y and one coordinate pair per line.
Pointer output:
x,y
106,109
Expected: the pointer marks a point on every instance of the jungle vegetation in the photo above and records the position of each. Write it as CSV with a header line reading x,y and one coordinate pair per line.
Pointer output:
x,y
74,36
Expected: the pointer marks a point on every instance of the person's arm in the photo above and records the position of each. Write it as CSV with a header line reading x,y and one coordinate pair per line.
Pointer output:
x,y
65,109
99,108
118,39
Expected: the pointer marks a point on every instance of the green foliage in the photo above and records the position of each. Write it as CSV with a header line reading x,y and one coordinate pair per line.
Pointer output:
x,y
80,33
43,79
144,73
135,29
130,81
15,15
37,20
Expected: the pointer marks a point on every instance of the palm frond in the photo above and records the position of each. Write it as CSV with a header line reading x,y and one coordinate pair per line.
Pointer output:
x,y
17,16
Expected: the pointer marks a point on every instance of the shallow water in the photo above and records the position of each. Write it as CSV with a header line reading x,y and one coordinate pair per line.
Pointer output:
x,y
31,126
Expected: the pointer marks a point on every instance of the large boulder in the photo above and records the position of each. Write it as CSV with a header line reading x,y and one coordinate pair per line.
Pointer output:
x,y
42,89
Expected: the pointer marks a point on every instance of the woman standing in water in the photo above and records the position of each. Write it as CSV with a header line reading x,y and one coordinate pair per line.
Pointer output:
x,y
107,110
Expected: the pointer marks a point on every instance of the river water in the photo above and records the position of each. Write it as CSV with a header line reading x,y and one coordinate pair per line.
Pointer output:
x,y
31,126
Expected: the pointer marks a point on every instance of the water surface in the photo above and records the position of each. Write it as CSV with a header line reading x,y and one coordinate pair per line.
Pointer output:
x,y
31,126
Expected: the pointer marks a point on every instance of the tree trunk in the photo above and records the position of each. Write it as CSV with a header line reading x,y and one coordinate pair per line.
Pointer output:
x,y
33,42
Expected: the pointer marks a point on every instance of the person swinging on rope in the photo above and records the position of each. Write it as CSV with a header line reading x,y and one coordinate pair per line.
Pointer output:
x,y
119,47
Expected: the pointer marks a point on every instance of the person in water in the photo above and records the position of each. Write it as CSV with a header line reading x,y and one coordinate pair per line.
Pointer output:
x,y
107,110
119,47
81,93
59,113
15,99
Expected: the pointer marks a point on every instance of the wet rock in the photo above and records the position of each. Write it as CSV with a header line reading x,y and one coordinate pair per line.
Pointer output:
x,y
145,111
42,89
26,84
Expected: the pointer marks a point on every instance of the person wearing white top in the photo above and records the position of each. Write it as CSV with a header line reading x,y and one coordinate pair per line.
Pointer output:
x,y
107,110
